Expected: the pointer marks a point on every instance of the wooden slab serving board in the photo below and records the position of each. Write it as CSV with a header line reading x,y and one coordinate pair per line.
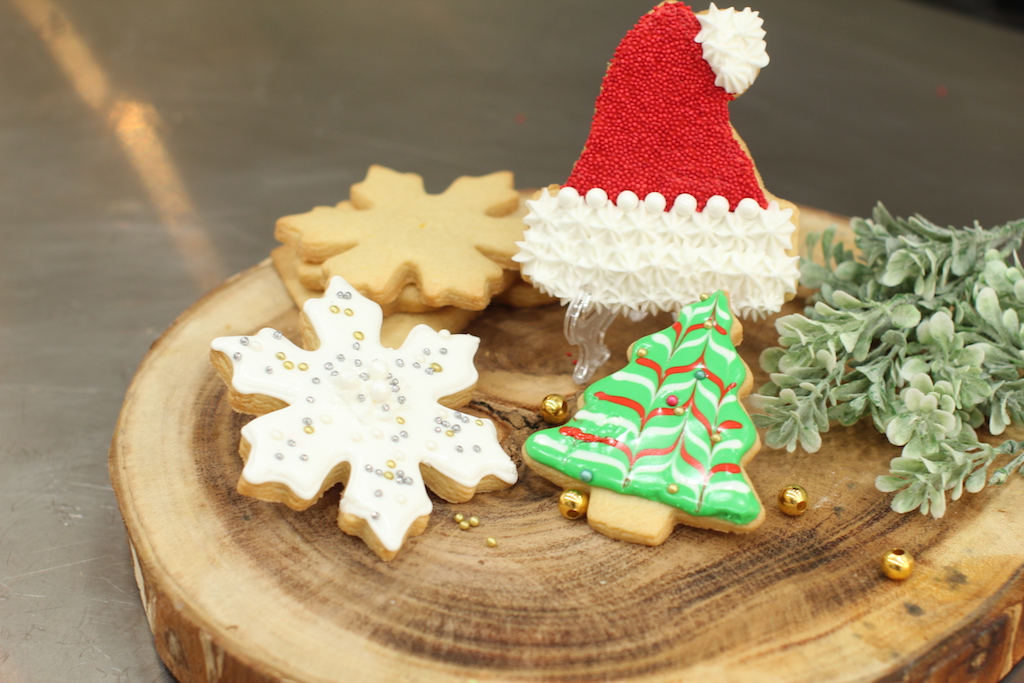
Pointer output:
x,y
236,589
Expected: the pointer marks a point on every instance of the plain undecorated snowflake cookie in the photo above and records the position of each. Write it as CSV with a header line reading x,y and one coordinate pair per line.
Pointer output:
x,y
411,251
346,409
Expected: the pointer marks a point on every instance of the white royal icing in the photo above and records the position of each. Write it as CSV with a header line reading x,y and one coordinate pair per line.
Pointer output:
x,y
354,400
634,256
734,46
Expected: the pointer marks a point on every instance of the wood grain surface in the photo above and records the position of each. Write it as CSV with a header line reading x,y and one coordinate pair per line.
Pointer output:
x,y
240,590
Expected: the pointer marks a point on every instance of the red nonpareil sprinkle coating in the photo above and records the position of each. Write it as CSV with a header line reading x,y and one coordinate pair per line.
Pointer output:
x,y
661,124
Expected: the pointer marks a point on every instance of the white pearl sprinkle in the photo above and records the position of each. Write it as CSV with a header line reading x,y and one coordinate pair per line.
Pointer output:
x,y
654,202
627,200
596,198
568,197
685,204
717,206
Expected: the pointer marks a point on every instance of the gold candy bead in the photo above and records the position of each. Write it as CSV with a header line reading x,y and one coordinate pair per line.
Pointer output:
x,y
492,542
474,521
464,525
459,517
573,504
793,500
897,564
554,409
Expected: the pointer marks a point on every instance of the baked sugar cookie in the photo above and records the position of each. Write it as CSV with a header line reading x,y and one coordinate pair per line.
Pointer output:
x,y
664,202
452,249
345,409
665,440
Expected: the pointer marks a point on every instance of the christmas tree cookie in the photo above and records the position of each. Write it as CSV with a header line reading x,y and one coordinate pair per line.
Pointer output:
x,y
346,409
664,440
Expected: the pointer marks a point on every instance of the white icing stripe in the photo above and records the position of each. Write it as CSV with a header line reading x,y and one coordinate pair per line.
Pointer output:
x,y
354,400
704,389
596,458
733,44
642,467
663,340
728,354
733,485
624,425
636,259
635,378
545,440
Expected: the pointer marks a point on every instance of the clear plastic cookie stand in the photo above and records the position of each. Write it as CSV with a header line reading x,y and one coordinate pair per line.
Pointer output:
x,y
586,322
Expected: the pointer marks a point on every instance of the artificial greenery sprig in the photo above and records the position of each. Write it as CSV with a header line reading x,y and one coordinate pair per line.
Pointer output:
x,y
922,333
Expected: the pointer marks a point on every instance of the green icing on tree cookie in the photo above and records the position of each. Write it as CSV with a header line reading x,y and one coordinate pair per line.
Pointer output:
x,y
669,426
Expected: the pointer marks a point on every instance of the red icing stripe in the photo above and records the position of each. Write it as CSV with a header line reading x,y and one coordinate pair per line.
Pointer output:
x,y
655,413
658,451
692,462
648,363
622,401
729,467
580,435
660,122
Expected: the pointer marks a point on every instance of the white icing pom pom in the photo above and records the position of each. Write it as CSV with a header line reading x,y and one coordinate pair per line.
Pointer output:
x,y
655,202
717,206
568,197
685,205
748,208
596,198
627,200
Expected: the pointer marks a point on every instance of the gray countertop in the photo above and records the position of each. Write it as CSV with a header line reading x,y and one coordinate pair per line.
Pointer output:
x,y
146,150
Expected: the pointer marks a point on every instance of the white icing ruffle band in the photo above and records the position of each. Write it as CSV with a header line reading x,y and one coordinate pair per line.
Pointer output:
x,y
636,257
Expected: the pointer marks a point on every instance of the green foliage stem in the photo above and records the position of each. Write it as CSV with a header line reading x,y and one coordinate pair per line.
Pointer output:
x,y
923,332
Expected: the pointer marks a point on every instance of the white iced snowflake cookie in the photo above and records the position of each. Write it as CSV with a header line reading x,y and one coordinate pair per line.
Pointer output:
x,y
348,409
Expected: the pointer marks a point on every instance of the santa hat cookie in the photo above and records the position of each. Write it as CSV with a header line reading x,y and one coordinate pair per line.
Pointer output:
x,y
665,202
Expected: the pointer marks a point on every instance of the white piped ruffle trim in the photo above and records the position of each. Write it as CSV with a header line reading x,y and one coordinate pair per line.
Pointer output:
x,y
733,44
636,257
